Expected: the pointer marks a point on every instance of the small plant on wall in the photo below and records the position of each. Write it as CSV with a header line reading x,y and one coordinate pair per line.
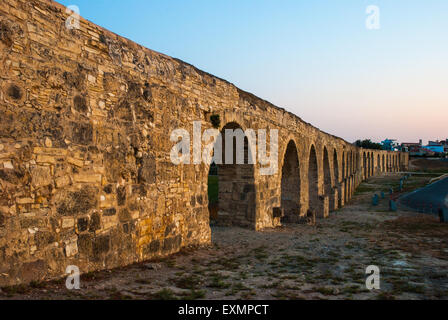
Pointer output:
x,y
216,121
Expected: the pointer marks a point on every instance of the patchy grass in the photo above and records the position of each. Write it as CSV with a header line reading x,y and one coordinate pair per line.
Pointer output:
x,y
187,282
194,295
217,281
326,291
164,294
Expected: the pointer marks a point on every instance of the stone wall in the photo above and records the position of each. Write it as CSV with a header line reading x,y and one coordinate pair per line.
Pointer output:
x,y
85,172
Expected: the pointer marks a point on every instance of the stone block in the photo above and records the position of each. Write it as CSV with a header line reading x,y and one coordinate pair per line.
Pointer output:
x,y
68,223
41,176
87,178
76,162
62,181
71,247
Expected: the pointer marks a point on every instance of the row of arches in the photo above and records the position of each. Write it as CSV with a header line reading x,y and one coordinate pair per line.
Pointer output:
x,y
311,180
384,163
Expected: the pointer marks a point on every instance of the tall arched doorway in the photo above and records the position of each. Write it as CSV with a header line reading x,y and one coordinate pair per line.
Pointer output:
x,y
290,184
327,179
378,164
313,180
232,185
336,177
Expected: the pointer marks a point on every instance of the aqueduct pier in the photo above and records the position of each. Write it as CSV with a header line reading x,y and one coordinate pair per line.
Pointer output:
x,y
85,172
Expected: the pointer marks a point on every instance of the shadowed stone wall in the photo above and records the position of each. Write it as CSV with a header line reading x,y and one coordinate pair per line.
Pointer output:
x,y
85,172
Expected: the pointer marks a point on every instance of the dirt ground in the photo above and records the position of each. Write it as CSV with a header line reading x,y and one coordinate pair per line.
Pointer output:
x,y
428,165
325,261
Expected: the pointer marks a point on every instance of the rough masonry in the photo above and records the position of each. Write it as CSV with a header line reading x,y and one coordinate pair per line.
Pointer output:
x,y
85,172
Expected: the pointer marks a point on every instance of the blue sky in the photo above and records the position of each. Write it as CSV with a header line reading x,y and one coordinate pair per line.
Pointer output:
x,y
315,58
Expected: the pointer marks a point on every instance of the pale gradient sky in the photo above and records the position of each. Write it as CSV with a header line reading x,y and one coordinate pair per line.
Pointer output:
x,y
314,58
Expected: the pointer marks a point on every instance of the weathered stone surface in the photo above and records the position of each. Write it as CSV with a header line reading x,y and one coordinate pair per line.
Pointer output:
x,y
85,168
77,202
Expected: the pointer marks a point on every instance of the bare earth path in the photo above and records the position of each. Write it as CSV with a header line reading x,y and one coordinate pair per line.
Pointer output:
x,y
326,261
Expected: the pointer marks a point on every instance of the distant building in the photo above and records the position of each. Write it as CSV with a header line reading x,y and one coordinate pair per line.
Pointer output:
x,y
389,144
418,149
410,147
444,143
434,148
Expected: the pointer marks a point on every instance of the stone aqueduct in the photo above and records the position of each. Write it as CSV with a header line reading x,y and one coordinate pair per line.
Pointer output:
x,y
85,171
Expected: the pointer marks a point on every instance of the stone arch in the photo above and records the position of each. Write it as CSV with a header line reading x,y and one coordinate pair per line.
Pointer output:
x,y
336,167
313,181
236,203
347,162
364,164
347,190
347,174
327,178
372,164
352,163
369,164
337,180
357,162
378,163
343,166
383,165
290,183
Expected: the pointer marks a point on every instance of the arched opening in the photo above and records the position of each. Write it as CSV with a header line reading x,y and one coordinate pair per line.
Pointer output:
x,y
346,190
369,164
378,164
336,178
343,166
213,181
231,186
364,164
313,180
383,169
290,188
347,174
327,179
352,163
372,164
357,164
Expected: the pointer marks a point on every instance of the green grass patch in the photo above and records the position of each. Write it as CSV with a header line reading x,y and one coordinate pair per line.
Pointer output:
x,y
164,294
212,189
